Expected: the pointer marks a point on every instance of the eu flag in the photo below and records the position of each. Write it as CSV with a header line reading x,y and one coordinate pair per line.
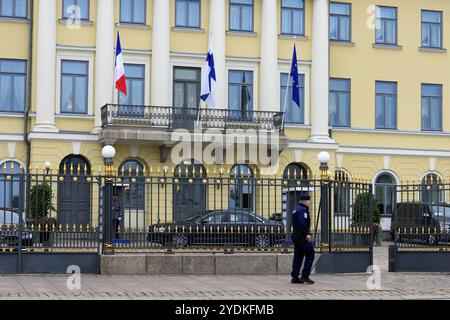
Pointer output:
x,y
295,83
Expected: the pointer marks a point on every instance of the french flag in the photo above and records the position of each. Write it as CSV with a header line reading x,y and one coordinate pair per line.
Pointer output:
x,y
119,73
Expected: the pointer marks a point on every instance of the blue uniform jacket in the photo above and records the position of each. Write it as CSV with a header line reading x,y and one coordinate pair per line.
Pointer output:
x,y
301,221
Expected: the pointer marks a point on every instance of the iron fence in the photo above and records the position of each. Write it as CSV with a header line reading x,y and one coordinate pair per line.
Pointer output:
x,y
75,209
421,219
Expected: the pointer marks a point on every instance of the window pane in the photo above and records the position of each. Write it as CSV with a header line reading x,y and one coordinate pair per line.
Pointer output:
x,y
298,21
343,109
134,71
124,99
19,93
234,97
139,11
194,14
5,92
379,112
333,108
344,28
436,35
74,67
178,95
7,8
431,16
425,113
12,66
390,32
125,10
84,6
431,90
181,13
21,8
390,112
186,74
234,18
247,18
385,87
137,92
66,94
242,1
80,95
292,3
192,90
286,24
426,30
334,27
339,8
389,13
435,114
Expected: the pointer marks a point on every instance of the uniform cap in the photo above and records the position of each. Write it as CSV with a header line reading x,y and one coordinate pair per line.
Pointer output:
x,y
304,197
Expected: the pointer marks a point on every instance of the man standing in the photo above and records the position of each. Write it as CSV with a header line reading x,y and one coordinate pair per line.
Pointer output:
x,y
301,237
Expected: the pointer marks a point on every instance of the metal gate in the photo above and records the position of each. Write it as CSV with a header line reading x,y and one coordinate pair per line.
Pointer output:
x,y
36,240
420,227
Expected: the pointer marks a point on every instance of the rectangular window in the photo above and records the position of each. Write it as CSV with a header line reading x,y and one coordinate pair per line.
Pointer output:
x,y
339,102
76,9
241,15
386,105
12,85
432,107
240,94
293,17
431,29
74,86
132,11
293,113
186,87
13,8
135,79
187,13
386,25
340,21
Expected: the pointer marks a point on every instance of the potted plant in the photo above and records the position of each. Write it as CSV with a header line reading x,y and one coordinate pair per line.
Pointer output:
x,y
362,217
39,208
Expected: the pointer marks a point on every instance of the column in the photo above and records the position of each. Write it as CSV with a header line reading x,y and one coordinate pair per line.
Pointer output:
x,y
46,67
320,73
104,62
269,57
217,37
160,81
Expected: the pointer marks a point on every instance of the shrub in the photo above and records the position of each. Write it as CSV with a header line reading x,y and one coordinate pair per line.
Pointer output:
x,y
40,201
361,215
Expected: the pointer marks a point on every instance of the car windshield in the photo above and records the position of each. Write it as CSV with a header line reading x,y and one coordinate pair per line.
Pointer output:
x,y
441,212
8,217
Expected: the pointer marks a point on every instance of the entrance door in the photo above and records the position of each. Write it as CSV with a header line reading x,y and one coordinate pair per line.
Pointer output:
x,y
189,197
186,97
74,197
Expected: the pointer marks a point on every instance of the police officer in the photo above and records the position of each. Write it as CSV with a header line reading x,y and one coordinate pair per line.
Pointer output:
x,y
117,215
303,245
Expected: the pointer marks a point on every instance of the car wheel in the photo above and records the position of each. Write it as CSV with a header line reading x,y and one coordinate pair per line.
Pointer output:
x,y
262,241
180,240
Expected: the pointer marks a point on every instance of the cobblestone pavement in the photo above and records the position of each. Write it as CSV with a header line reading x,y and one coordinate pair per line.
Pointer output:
x,y
397,286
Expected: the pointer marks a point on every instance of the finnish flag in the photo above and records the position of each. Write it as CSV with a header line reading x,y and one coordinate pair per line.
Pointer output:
x,y
208,90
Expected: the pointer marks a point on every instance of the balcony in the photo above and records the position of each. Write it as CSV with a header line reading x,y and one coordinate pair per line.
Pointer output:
x,y
172,118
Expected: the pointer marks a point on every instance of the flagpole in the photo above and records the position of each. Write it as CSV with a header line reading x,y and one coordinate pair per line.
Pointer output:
x,y
287,90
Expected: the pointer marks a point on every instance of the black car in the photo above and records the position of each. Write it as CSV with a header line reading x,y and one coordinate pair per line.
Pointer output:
x,y
9,230
219,228
410,218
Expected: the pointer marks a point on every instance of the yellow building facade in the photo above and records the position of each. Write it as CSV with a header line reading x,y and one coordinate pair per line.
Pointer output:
x,y
390,57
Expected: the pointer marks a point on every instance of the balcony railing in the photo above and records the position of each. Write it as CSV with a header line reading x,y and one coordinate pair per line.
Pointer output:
x,y
172,118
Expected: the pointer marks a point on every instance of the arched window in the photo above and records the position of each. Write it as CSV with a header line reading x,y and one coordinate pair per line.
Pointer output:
x,y
133,192
385,192
430,191
242,191
295,172
342,193
74,197
10,190
189,199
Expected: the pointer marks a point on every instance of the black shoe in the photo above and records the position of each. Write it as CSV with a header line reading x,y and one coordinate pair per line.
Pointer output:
x,y
296,280
306,280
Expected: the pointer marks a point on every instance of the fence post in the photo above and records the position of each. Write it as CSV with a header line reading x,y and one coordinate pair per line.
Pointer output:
x,y
108,153
323,158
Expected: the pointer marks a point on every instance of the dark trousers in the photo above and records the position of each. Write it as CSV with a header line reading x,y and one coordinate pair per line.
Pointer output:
x,y
302,249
